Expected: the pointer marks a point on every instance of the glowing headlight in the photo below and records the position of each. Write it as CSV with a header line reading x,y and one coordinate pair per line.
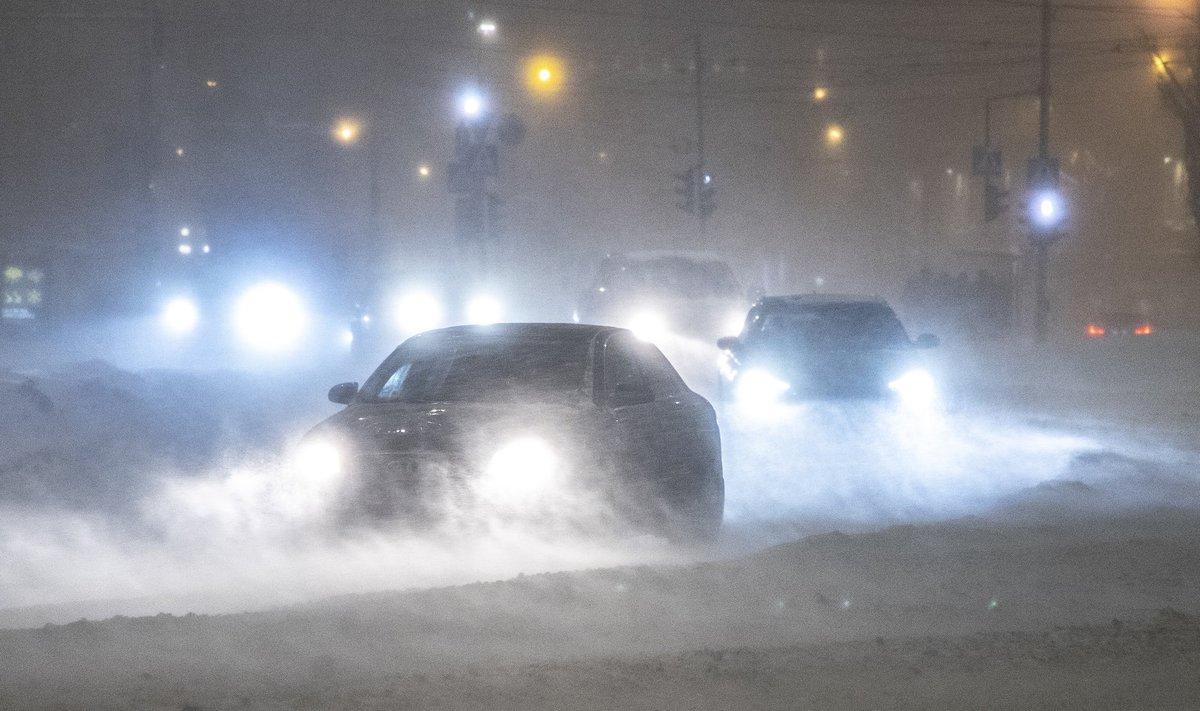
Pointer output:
x,y
759,387
520,470
649,326
916,386
733,324
318,461
270,317
484,310
418,311
180,316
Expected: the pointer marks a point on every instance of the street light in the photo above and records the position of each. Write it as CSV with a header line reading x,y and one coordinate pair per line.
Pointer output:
x,y
820,94
544,74
1047,210
1160,63
470,104
487,28
423,170
346,131
835,135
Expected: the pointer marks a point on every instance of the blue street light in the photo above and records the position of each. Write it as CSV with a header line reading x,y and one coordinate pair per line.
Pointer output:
x,y
470,104
1048,209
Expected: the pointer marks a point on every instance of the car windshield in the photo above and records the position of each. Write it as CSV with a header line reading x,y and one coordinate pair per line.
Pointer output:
x,y
496,370
832,326
677,276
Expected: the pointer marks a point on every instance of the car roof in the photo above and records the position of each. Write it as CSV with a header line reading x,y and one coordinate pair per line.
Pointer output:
x,y
650,255
800,300
516,332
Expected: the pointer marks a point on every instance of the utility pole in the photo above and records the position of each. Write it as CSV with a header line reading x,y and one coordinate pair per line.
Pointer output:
x,y
151,61
1044,84
701,168
696,183
1046,208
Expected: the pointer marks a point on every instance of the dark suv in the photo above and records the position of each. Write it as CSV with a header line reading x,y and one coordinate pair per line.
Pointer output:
x,y
511,412
821,346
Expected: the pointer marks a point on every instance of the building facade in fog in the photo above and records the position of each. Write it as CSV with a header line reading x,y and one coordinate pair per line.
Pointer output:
x,y
839,140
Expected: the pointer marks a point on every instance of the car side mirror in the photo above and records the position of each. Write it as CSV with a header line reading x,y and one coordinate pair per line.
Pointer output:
x,y
626,394
728,343
343,393
928,340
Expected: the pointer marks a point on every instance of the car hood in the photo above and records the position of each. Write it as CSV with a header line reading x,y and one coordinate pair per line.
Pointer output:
x,y
449,427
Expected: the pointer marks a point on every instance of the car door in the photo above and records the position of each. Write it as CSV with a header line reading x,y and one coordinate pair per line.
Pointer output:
x,y
623,391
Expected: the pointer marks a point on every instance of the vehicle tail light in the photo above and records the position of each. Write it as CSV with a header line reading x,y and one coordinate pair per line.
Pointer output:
x,y
1144,330
1095,331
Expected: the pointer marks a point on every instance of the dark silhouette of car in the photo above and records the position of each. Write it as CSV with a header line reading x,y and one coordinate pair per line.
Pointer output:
x,y
663,294
512,411
822,346
1120,324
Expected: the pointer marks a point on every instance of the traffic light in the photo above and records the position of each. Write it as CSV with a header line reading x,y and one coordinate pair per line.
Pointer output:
x,y
995,201
1047,211
1047,206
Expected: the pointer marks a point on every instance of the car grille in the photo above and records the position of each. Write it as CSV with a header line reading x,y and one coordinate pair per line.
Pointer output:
x,y
413,485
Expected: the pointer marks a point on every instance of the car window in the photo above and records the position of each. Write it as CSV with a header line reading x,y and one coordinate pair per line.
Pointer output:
x,y
501,370
836,326
633,361
620,365
663,378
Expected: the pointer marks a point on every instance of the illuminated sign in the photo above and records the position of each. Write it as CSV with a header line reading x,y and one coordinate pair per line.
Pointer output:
x,y
20,292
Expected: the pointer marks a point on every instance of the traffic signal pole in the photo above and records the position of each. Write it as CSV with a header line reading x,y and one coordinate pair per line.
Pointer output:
x,y
1040,242
702,170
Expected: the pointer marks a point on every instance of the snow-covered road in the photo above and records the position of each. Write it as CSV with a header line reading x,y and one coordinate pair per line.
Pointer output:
x,y
969,536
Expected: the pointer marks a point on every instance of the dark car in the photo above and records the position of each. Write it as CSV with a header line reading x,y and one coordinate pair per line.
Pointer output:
x,y
1120,324
822,346
511,411
665,294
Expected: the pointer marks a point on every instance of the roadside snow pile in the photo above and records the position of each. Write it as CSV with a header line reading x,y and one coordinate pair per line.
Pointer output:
x,y
904,582
93,436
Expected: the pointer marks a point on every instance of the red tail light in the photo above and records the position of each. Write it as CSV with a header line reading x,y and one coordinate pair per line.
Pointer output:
x,y
1095,331
1144,330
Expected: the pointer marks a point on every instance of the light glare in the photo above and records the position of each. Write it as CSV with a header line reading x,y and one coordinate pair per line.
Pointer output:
x,y
180,316
916,387
418,311
484,310
649,326
758,387
270,317
520,471
318,462
470,104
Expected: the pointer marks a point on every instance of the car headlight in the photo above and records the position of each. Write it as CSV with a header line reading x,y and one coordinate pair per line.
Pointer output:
x,y
484,310
916,386
418,311
270,317
319,461
649,326
520,470
180,316
760,387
